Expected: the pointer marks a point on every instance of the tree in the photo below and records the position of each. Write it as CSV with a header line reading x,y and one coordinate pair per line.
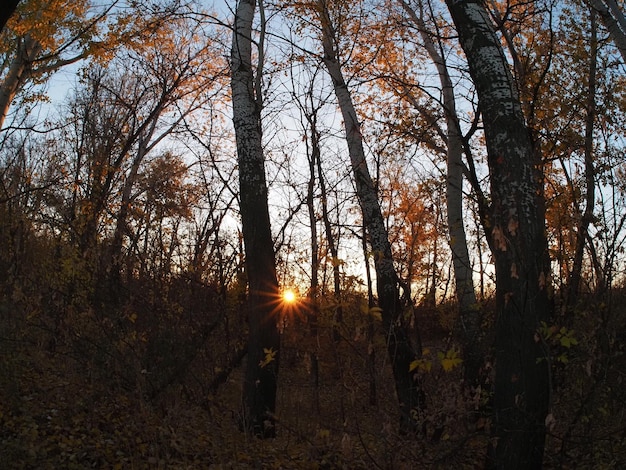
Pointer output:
x,y
173,91
48,36
260,381
131,111
164,200
582,231
463,273
401,352
613,19
310,110
568,80
516,226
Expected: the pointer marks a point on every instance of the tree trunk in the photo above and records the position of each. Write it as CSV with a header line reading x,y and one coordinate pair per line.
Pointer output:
x,y
469,311
613,19
516,231
27,51
260,381
313,155
468,306
401,352
586,218
334,252
371,351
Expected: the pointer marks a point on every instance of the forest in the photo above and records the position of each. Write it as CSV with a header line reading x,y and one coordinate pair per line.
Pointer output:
x,y
322,234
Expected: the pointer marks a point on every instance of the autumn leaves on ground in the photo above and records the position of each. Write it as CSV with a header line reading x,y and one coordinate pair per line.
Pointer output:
x,y
158,385
148,390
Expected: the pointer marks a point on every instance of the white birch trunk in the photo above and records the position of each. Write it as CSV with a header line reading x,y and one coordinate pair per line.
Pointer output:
x,y
408,389
463,274
516,228
261,376
613,19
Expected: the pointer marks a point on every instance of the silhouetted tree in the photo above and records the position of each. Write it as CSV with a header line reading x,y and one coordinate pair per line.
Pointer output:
x,y
260,382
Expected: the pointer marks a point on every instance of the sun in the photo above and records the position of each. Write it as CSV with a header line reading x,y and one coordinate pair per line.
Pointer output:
x,y
289,296
291,306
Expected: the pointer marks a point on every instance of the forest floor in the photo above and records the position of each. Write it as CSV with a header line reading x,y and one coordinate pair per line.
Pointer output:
x,y
58,411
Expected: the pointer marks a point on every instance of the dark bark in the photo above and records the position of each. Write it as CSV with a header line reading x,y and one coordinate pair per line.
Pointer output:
x,y
313,155
371,351
332,247
310,203
516,231
261,376
222,376
586,218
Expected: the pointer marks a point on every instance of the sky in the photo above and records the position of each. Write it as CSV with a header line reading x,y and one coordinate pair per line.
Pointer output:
x,y
61,85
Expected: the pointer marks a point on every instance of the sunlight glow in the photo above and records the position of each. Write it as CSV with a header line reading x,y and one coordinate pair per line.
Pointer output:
x,y
289,296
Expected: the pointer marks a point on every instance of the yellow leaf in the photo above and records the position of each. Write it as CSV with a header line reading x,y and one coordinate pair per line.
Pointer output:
x,y
421,364
450,359
337,262
270,355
